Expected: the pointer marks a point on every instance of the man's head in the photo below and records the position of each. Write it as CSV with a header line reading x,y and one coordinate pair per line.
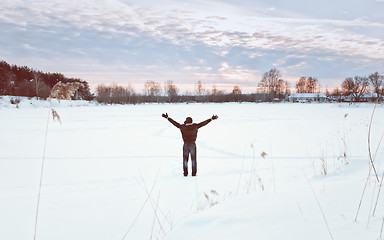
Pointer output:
x,y
188,120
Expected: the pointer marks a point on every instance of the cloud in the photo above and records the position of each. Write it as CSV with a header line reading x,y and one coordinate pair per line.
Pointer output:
x,y
29,47
191,68
223,75
237,74
185,28
189,41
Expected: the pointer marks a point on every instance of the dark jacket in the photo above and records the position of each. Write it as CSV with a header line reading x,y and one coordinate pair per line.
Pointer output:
x,y
189,131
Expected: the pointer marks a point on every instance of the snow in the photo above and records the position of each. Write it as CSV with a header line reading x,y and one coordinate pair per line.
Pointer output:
x,y
25,102
115,172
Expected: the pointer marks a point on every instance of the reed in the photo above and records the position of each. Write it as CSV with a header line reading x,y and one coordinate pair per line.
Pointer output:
x,y
371,164
61,91
318,203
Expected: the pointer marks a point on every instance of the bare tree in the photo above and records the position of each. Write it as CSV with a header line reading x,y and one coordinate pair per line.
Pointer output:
x,y
307,85
152,90
377,82
273,84
355,87
37,82
200,88
119,94
287,86
103,93
216,91
114,94
236,94
300,85
236,90
271,79
337,94
312,84
171,90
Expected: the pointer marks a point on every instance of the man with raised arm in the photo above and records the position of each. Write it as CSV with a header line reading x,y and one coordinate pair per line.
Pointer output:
x,y
189,133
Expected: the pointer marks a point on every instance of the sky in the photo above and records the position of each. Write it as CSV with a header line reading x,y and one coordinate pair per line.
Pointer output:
x,y
220,43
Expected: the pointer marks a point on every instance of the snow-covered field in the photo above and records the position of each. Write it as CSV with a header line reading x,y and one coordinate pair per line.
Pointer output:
x,y
115,172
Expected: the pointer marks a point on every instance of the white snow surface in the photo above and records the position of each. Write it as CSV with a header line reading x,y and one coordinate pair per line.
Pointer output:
x,y
25,102
115,172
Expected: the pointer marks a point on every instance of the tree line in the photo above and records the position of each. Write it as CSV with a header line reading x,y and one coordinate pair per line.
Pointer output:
x,y
352,87
155,92
357,86
23,81
271,88
27,82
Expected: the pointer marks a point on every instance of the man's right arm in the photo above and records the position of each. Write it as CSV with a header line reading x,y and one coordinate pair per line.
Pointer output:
x,y
176,124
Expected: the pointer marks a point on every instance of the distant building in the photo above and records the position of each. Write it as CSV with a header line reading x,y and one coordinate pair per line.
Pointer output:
x,y
307,97
369,97
365,97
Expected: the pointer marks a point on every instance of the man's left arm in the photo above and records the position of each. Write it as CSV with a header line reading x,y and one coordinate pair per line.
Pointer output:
x,y
202,124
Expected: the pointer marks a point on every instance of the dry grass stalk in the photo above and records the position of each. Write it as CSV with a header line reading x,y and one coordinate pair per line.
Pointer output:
x,y
253,168
318,203
382,177
378,195
369,144
141,208
206,196
362,195
344,155
154,218
212,200
61,91
371,163
214,192
323,166
156,209
344,141
55,115
263,154
261,183
381,231
41,179
241,170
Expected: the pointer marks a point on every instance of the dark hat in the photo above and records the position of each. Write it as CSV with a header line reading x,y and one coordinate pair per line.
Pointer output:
x,y
188,120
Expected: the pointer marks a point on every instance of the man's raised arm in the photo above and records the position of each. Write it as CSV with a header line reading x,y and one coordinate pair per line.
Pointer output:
x,y
176,124
202,124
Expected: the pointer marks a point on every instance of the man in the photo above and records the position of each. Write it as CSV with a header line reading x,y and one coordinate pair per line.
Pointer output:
x,y
189,134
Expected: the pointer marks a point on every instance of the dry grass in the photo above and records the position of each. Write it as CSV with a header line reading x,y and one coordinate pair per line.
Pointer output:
x,y
263,154
254,178
371,165
161,220
212,198
214,192
61,91
64,91
369,145
55,115
141,208
318,203
241,170
323,165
